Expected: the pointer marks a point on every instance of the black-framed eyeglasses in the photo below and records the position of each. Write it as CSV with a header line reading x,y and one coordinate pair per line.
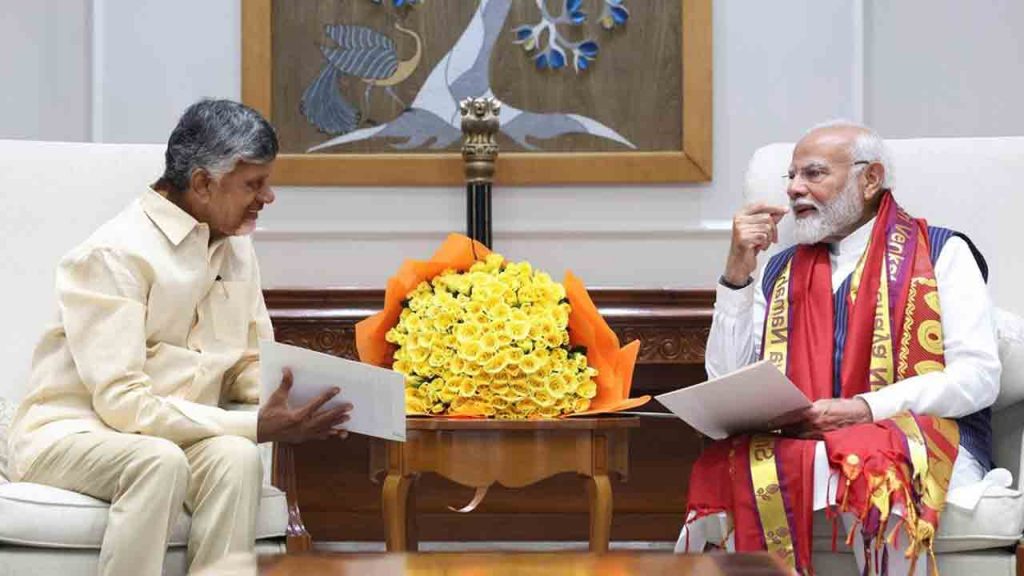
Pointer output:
x,y
815,173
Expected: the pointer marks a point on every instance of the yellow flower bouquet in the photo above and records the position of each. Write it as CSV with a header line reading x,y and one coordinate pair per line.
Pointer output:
x,y
476,336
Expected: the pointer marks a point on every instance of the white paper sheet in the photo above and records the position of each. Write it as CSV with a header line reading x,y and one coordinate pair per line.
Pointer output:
x,y
377,394
746,400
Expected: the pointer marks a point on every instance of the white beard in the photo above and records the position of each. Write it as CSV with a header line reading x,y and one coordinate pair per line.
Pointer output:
x,y
842,212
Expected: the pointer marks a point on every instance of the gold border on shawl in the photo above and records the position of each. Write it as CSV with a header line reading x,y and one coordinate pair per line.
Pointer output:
x,y
768,495
880,373
776,334
916,442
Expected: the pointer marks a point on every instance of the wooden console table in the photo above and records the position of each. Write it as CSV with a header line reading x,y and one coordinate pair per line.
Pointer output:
x,y
516,453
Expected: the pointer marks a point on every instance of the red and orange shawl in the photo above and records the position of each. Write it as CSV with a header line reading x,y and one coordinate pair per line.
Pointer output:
x,y
766,482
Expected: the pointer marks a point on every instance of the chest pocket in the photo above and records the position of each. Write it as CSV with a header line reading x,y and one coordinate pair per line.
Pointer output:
x,y
229,306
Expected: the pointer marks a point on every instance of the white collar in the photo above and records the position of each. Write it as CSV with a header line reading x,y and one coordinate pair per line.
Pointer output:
x,y
855,242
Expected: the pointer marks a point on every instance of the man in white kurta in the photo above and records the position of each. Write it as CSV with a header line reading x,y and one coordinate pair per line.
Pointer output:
x,y
825,178
160,314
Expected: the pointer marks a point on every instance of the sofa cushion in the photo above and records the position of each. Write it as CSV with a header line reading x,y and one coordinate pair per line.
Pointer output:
x,y
997,522
7,409
38,515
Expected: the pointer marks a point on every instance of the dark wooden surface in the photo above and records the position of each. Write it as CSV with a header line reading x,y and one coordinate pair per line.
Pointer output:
x,y
340,497
521,564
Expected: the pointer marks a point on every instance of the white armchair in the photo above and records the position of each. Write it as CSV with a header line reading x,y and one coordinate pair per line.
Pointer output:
x,y
972,185
54,196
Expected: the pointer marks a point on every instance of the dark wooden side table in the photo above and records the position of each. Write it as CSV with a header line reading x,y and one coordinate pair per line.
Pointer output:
x,y
513,453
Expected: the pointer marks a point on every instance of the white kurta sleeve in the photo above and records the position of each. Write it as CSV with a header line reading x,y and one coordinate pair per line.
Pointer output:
x,y
735,337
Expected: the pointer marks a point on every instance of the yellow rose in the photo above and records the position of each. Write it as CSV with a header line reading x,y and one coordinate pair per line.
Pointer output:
x,y
497,363
526,406
474,308
470,351
531,363
489,342
517,329
466,332
543,398
467,388
580,405
587,389
414,405
549,412
417,354
517,390
557,386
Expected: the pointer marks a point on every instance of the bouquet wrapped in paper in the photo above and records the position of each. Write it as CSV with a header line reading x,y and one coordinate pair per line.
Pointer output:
x,y
477,336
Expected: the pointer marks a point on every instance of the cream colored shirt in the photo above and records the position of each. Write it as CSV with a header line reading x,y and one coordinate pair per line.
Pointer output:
x,y
156,328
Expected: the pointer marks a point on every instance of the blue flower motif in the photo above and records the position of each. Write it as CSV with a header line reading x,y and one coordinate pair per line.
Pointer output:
x,y
583,53
574,13
552,47
527,36
614,14
553,58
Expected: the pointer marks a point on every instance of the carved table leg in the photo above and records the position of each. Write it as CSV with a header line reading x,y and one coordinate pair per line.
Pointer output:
x,y
297,539
599,488
412,538
395,504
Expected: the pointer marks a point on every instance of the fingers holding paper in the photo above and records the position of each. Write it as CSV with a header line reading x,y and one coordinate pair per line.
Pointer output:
x,y
280,423
825,416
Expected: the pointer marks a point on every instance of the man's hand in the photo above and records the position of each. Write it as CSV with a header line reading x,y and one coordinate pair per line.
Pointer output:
x,y
279,423
826,416
754,229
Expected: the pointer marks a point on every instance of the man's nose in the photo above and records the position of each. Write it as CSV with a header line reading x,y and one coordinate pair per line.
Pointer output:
x,y
267,196
796,188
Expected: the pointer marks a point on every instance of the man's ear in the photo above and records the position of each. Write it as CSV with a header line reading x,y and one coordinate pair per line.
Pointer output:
x,y
873,175
200,183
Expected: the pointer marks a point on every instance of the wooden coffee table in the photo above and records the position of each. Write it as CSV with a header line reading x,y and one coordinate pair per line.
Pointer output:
x,y
521,564
480,453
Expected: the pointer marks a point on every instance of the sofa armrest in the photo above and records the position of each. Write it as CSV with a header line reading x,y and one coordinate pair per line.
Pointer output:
x,y
1008,439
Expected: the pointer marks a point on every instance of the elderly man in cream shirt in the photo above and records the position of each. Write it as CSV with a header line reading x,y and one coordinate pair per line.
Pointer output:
x,y
160,313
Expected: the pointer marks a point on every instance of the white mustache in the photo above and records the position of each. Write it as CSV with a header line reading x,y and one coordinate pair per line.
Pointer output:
x,y
805,203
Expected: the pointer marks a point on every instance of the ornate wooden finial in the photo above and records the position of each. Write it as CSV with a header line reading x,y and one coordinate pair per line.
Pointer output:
x,y
480,144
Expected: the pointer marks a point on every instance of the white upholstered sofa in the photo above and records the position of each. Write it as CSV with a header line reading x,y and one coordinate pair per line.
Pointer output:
x,y
976,186
53,196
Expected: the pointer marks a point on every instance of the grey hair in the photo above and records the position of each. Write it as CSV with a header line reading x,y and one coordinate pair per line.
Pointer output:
x,y
868,145
214,135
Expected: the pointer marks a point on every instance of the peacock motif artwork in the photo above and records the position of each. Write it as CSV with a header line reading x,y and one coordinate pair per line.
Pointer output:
x,y
354,53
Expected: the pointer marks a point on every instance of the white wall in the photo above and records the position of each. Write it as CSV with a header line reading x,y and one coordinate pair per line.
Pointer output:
x,y
945,67
778,68
153,58
44,58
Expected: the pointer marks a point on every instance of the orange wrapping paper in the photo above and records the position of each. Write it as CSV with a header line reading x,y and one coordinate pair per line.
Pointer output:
x,y
586,326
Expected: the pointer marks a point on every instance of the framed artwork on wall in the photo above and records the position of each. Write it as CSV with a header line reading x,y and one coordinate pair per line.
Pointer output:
x,y
367,92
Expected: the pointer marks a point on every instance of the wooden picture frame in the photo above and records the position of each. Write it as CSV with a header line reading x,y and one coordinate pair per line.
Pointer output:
x,y
691,163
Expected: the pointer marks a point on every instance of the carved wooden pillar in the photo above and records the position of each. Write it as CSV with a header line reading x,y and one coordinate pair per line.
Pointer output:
x,y
479,150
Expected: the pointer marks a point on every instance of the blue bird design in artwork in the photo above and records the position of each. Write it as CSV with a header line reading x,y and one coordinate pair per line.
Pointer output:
x,y
361,53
